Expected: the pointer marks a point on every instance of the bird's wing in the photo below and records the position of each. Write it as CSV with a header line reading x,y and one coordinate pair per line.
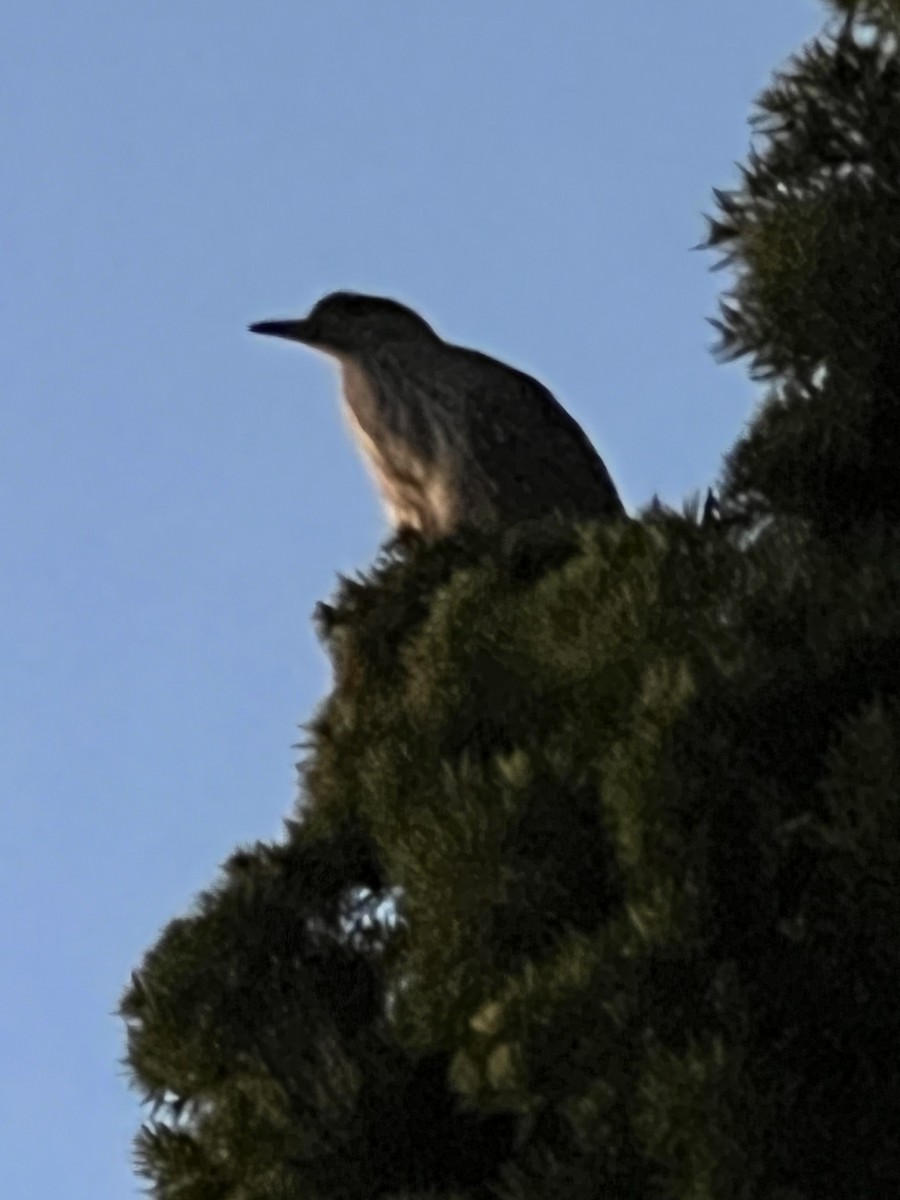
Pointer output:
x,y
519,432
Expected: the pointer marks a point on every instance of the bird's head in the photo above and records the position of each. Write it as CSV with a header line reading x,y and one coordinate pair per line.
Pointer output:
x,y
349,322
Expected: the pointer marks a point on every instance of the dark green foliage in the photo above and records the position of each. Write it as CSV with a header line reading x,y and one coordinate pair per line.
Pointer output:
x,y
814,236
593,886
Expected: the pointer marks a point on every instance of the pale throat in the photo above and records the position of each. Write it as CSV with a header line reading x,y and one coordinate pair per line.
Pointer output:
x,y
412,495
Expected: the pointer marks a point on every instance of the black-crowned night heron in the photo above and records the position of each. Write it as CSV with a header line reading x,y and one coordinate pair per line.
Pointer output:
x,y
454,438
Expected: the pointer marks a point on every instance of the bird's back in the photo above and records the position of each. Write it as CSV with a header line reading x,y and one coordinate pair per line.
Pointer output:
x,y
504,442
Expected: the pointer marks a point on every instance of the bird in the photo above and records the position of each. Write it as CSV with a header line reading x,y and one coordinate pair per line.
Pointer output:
x,y
454,438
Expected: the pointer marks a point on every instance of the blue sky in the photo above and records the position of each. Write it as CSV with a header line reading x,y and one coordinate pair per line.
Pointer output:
x,y
177,494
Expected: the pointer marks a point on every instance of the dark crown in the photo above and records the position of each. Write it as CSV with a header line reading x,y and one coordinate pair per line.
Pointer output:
x,y
351,318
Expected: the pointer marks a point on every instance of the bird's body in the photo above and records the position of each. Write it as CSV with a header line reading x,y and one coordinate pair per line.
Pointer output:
x,y
453,437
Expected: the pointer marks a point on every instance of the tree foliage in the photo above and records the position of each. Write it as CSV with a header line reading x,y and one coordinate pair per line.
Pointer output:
x,y
592,887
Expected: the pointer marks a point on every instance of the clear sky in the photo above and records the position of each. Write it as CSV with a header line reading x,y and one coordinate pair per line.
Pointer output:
x,y
176,494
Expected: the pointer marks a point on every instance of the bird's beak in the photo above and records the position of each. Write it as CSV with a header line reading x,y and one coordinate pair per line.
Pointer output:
x,y
295,331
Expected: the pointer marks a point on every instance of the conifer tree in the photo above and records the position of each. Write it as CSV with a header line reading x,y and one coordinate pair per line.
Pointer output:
x,y
592,887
